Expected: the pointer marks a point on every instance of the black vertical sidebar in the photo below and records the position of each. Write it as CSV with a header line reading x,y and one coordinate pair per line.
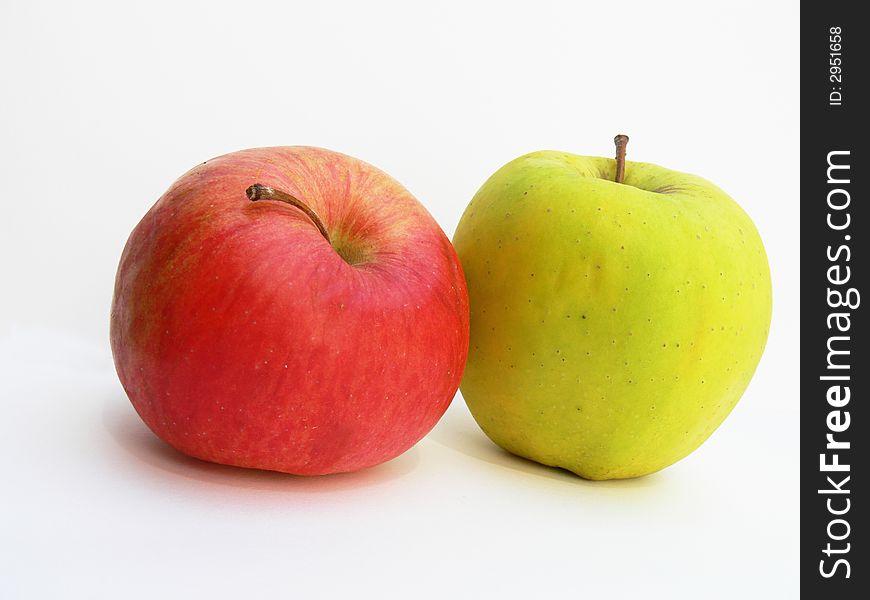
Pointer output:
x,y
834,369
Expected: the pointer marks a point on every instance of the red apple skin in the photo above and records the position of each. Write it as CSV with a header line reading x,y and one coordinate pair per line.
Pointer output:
x,y
242,337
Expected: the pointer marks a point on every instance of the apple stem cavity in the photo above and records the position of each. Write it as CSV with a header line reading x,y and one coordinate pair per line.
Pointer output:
x,y
621,142
263,192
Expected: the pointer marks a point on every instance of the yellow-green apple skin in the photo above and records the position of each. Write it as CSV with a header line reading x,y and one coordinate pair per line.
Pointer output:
x,y
613,326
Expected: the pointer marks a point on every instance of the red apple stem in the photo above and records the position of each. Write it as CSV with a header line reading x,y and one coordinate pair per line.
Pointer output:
x,y
264,192
621,142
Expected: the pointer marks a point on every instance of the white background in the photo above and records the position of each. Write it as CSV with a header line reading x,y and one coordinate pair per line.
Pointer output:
x,y
104,105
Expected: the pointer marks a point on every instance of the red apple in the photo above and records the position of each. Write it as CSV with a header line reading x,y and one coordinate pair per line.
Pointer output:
x,y
244,336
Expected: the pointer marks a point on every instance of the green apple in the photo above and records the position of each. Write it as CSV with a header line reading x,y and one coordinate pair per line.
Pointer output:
x,y
614,325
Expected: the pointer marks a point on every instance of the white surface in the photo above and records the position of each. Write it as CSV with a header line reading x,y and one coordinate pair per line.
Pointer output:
x,y
103,105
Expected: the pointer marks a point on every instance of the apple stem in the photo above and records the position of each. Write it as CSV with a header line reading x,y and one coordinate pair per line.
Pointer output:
x,y
621,142
263,192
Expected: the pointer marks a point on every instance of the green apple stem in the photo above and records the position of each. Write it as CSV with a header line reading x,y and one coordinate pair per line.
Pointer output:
x,y
621,142
263,192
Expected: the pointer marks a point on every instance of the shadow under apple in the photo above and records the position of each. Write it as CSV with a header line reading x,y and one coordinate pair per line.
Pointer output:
x,y
131,435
